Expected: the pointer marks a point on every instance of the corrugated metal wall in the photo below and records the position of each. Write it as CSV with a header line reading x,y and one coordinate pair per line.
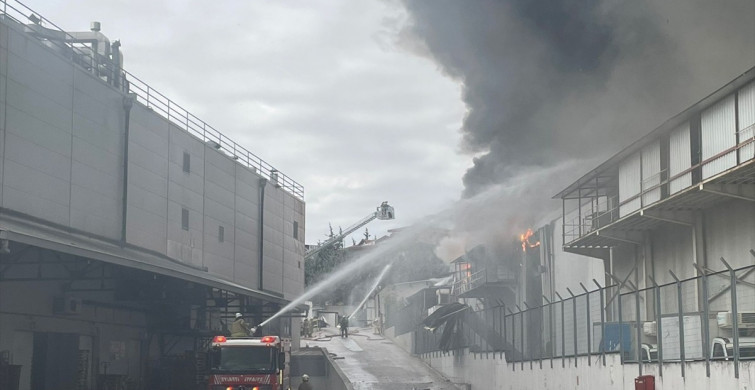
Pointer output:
x,y
680,158
718,134
746,106
651,173
630,176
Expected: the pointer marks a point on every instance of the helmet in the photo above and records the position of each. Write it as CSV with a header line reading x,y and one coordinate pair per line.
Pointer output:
x,y
239,315
305,378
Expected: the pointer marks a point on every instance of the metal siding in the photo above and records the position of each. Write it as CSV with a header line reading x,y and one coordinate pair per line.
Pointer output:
x,y
651,173
746,108
718,134
629,184
680,158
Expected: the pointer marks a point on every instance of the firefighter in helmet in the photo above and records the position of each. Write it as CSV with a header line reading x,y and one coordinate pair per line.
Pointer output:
x,y
240,328
305,385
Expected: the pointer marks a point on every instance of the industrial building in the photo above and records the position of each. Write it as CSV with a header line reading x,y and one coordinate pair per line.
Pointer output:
x,y
647,275
130,230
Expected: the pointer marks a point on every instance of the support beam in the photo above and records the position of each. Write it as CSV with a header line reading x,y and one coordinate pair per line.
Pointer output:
x,y
736,191
684,218
626,237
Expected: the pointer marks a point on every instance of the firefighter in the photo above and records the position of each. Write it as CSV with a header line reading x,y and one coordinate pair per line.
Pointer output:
x,y
304,326
344,326
240,328
305,385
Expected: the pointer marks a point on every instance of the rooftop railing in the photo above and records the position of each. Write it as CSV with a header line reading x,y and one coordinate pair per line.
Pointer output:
x,y
110,72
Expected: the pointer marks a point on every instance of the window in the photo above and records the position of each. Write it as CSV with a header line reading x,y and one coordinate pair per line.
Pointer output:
x,y
184,219
296,230
221,234
187,162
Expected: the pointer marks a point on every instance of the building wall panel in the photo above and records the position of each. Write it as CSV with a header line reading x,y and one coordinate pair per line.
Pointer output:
x,y
746,112
64,134
718,134
630,177
680,158
651,173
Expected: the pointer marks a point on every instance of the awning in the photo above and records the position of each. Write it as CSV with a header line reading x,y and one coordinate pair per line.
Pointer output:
x,y
42,235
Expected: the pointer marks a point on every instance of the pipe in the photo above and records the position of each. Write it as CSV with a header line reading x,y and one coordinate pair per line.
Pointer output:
x,y
128,103
262,183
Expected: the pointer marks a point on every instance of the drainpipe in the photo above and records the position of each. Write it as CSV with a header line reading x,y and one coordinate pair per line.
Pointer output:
x,y
263,183
128,102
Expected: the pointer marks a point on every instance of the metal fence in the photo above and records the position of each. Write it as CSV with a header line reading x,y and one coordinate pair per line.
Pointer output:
x,y
703,318
109,71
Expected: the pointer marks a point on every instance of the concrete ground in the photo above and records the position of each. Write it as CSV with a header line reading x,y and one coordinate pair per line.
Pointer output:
x,y
373,362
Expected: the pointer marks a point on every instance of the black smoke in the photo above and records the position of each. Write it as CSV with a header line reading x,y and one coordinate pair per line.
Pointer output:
x,y
549,80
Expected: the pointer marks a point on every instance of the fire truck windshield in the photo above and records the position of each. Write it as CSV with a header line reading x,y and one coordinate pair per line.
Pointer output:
x,y
243,359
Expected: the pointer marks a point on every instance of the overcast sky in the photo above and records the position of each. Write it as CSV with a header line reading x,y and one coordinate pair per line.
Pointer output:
x,y
321,90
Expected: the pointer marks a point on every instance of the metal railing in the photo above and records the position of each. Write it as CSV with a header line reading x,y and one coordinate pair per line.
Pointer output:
x,y
110,72
589,217
703,318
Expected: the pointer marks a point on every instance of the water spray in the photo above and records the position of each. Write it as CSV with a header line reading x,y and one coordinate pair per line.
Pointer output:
x,y
520,194
374,287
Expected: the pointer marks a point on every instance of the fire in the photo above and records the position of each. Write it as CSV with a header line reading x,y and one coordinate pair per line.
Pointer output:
x,y
525,238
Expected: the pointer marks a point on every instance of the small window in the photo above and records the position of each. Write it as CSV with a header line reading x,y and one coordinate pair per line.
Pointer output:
x,y
187,162
221,234
185,219
296,230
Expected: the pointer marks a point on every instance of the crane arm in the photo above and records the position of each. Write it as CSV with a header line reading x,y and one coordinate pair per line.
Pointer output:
x,y
351,229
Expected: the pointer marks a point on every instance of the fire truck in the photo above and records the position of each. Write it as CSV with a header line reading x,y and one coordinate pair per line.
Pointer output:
x,y
248,363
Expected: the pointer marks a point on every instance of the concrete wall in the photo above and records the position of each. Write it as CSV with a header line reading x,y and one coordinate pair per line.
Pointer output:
x,y
333,378
64,141
489,373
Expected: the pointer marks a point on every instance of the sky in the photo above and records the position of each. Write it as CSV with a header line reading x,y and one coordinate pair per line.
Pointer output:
x,y
423,103
321,90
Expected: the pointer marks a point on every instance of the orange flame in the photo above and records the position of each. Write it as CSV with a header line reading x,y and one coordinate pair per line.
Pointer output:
x,y
525,238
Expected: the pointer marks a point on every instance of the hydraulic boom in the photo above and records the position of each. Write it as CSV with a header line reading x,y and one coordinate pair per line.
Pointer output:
x,y
384,212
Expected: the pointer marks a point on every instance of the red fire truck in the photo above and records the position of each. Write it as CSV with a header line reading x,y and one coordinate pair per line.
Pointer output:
x,y
253,363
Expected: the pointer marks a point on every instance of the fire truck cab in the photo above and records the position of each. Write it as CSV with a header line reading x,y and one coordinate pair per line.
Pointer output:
x,y
248,363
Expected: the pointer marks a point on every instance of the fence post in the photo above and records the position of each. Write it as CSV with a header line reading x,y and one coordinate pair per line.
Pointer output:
x,y
621,327
521,334
589,342
706,316
513,335
638,324
550,330
563,335
574,324
658,325
681,319
734,315
502,314
602,345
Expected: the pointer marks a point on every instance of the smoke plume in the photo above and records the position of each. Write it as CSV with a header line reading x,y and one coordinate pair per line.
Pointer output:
x,y
547,80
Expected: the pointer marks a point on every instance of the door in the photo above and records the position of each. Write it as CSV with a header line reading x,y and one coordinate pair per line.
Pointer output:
x,y
54,363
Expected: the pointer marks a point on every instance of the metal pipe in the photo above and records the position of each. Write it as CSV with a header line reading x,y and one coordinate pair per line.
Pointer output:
x,y
128,103
262,184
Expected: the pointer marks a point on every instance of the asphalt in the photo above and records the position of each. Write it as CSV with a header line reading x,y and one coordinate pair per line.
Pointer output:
x,y
373,362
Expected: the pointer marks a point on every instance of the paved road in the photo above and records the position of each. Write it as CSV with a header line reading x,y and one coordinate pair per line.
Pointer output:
x,y
372,362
